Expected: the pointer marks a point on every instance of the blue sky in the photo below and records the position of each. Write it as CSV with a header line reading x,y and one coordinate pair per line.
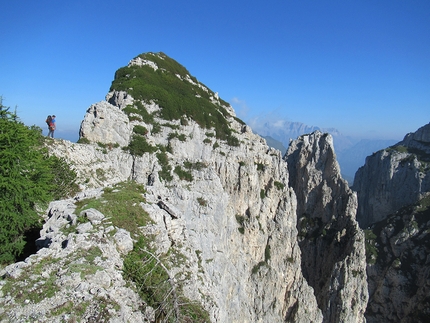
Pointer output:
x,y
360,66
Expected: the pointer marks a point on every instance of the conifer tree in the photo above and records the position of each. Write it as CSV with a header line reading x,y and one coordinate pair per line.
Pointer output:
x,y
26,181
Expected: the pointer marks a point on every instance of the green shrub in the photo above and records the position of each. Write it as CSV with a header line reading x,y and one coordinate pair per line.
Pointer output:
x,y
239,120
371,249
264,262
181,137
138,146
172,126
233,141
157,288
197,165
122,205
183,175
140,130
279,185
202,201
106,146
149,278
165,167
241,221
257,267
64,178
135,118
29,179
139,109
262,193
178,99
83,140
260,167
156,128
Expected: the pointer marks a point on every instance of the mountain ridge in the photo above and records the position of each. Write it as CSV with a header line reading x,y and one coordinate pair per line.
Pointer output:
x,y
190,198
351,152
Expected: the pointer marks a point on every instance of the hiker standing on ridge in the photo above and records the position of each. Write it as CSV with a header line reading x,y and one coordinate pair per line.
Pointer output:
x,y
48,122
51,125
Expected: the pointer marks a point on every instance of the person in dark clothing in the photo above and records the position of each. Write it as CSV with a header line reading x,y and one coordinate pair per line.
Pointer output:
x,y
51,126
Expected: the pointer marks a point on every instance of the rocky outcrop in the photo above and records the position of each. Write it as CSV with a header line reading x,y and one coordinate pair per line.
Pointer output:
x,y
105,123
393,194
332,244
399,266
234,223
75,276
248,236
393,178
233,219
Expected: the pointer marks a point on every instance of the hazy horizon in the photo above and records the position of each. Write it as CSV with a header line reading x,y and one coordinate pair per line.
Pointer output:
x,y
360,67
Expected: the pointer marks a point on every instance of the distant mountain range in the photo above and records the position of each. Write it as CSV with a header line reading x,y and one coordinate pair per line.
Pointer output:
x,y
351,152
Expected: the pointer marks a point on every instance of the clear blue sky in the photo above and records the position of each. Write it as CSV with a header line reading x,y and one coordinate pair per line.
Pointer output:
x,y
360,66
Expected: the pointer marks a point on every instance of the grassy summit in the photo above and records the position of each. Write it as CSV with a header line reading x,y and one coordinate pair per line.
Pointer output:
x,y
180,96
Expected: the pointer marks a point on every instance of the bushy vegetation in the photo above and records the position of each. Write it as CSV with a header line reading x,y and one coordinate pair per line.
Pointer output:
x,y
165,167
148,270
138,146
241,221
371,249
414,153
183,174
121,204
140,130
264,262
179,99
197,165
181,137
202,201
260,167
262,194
29,179
140,110
279,185
158,288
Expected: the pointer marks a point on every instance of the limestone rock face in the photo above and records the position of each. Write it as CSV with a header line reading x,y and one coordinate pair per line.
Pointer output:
x,y
393,193
394,177
419,139
96,166
257,239
79,270
236,226
120,99
106,124
235,221
399,270
332,244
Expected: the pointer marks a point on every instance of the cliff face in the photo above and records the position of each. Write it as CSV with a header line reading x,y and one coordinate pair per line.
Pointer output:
x,y
394,177
332,245
237,214
393,193
399,266
250,237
